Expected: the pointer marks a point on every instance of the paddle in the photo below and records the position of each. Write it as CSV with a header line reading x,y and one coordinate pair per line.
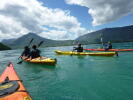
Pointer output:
x,y
116,53
28,44
101,40
27,58
73,51
40,44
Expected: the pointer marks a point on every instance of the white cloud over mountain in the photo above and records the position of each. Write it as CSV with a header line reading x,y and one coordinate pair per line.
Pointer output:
x,y
18,17
104,11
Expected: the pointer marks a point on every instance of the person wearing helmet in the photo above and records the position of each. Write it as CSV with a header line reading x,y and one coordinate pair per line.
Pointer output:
x,y
79,48
26,52
35,52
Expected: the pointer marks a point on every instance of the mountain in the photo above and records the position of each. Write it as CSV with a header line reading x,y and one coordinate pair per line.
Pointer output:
x,y
24,40
7,41
4,47
118,34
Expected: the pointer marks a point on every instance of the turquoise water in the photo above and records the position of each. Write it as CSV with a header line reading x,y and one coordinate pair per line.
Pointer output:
x,y
77,77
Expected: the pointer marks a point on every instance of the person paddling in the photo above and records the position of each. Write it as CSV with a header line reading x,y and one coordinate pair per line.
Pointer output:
x,y
35,52
108,46
79,48
26,52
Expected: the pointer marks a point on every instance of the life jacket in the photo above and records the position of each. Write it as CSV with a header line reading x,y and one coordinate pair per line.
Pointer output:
x,y
26,52
110,46
79,49
35,53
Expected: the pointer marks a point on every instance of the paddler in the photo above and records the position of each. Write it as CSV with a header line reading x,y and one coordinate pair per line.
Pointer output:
x,y
26,52
35,52
79,48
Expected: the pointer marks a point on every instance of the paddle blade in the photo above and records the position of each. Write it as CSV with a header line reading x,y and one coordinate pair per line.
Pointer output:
x,y
116,54
40,43
20,62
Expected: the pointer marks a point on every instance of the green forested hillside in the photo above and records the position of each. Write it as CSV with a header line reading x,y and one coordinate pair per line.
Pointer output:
x,y
4,47
119,34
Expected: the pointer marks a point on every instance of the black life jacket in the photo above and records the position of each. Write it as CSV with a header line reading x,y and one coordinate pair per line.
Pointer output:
x,y
26,52
79,49
35,53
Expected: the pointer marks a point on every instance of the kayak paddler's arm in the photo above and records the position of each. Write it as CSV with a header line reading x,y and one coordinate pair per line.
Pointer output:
x,y
21,55
22,60
75,48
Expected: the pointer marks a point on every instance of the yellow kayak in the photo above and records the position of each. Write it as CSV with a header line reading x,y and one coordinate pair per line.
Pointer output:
x,y
41,60
85,53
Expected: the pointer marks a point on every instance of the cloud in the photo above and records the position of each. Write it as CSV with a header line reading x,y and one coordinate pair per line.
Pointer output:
x,y
104,11
18,17
10,28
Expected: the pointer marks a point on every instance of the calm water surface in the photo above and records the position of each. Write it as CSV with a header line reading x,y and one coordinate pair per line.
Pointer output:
x,y
76,77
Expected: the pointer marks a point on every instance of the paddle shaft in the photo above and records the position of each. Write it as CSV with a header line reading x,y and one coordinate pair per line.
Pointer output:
x,y
102,41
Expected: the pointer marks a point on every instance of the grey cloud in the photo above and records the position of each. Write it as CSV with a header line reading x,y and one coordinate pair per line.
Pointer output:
x,y
66,25
7,29
104,11
17,12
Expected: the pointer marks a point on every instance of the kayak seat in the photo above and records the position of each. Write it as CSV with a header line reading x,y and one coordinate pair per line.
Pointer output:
x,y
7,88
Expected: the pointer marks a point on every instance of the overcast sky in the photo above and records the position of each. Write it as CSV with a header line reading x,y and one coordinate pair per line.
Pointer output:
x,y
62,19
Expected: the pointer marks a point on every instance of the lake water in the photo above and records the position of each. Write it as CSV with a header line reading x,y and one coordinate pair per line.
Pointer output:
x,y
76,77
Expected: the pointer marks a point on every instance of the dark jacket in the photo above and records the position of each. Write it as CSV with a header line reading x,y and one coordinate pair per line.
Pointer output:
x,y
35,53
26,52
108,46
79,49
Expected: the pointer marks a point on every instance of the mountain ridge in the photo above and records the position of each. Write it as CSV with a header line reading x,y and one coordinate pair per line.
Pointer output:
x,y
24,40
117,34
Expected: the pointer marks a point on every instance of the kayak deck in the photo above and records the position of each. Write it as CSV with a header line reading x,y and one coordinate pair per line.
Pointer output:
x,y
41,60
20,93
86,53
109,49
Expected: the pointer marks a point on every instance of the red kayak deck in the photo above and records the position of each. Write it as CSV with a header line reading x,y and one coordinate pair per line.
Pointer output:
x,y
109,49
